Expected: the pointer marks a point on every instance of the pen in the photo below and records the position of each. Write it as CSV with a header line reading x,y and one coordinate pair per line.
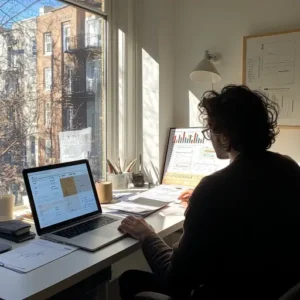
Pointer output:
x,y
124,164
111,168
119,165
132,166
140,166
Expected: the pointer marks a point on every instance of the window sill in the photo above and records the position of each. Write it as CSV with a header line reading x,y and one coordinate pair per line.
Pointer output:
x,y
23,213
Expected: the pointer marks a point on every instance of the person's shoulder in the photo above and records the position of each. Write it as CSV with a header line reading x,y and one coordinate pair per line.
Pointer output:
x,y
281,159
211,182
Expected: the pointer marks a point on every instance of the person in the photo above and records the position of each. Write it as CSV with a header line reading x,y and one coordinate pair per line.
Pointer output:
x,y
240,234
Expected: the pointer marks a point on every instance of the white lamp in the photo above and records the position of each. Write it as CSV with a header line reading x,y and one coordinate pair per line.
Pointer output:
x,y
205,70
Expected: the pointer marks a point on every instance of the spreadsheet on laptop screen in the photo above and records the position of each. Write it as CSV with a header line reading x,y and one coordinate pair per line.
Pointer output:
x,y
62,194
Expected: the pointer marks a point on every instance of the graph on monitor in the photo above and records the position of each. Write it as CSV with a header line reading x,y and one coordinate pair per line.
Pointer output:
x,y
189,157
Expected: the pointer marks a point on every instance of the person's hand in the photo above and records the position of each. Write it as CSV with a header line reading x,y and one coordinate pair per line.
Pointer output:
x,y
138,228
186,195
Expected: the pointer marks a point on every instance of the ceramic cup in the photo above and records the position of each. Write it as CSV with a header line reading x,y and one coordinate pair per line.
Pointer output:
x,y
119,181
7,203
104,192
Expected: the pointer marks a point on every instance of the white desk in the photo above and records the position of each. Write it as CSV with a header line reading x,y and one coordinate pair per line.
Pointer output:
x,y
61,274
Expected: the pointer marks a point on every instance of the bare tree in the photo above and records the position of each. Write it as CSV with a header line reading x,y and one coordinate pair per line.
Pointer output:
x,y
17,102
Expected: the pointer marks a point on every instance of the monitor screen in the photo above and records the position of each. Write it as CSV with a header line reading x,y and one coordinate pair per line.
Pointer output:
x,y
62,194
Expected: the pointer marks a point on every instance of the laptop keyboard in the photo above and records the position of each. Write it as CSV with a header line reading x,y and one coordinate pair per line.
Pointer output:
x,y
85,227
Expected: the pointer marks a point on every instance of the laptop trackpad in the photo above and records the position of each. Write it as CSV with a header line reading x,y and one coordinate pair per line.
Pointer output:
x,y
106,232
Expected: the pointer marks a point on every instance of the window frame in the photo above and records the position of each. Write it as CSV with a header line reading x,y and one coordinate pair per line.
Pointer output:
x,y
110,76
81,5
47,43
128,146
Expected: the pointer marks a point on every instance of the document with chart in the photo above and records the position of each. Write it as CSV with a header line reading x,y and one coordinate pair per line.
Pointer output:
x,y
189,157
272,65
33,255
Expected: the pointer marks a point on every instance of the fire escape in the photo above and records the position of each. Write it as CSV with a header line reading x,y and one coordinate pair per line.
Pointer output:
x,y
78,89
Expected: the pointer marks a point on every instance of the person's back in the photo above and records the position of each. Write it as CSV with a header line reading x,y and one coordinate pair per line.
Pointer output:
x,y
256,201
240,238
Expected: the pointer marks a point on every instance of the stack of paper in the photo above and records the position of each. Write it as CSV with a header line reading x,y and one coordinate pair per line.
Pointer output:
x,y
165,193
146,203
140,207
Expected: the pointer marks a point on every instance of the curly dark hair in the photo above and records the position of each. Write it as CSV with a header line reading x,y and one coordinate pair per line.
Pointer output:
x,y
247,118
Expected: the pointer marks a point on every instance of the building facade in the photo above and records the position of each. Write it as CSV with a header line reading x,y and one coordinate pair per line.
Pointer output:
x,y
68,80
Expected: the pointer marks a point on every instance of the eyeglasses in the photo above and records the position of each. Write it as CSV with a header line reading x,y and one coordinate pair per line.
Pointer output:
x,y
206,134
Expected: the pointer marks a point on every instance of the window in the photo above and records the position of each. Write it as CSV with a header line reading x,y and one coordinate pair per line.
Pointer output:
x,y
48,79
68,79
8,157
48,43
92,33
56,59
32,153
33,46
48,149
66,36
48,115
93,76
70,118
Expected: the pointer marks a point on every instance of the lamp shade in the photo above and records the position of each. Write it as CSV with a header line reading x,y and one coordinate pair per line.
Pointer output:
x,y
205,71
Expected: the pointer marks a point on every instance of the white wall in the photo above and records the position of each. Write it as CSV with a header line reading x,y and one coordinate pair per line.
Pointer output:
x,y
219,26
155,75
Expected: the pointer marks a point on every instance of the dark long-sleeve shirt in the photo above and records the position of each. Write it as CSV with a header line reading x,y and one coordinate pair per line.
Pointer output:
x,y
241,233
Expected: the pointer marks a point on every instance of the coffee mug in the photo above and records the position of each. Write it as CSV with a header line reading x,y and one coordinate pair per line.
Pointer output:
x,y
104,192
7,203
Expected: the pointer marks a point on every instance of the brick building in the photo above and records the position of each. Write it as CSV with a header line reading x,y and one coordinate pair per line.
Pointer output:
x,y
68,78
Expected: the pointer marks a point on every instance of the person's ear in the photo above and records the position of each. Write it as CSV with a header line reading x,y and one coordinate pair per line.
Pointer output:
x,y
225,142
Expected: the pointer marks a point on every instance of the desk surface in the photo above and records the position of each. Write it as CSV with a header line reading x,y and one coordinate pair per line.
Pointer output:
x,y
56,276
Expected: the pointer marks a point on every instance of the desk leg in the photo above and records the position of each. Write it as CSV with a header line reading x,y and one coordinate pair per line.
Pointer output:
x,y
102,291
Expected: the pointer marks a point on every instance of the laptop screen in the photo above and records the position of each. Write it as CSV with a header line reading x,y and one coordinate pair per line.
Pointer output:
x,y
61,194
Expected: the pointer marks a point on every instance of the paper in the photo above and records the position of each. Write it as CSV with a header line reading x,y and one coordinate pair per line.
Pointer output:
x,y
140,205
173,209
278,63
134,208
33,255
272,66
75,144
145,203
165,193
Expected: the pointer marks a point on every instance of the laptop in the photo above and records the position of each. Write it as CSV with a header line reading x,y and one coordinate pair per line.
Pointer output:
x,y
66,208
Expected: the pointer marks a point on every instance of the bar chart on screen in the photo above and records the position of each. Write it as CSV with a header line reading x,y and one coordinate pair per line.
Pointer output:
x,y
187,138
189,157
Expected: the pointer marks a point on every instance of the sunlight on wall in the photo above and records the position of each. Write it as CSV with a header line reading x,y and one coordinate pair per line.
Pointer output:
x,y
193,110
287,143
150,93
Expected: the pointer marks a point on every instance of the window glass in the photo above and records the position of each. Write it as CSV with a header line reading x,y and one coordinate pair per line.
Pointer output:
x,y
48,43
52,88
